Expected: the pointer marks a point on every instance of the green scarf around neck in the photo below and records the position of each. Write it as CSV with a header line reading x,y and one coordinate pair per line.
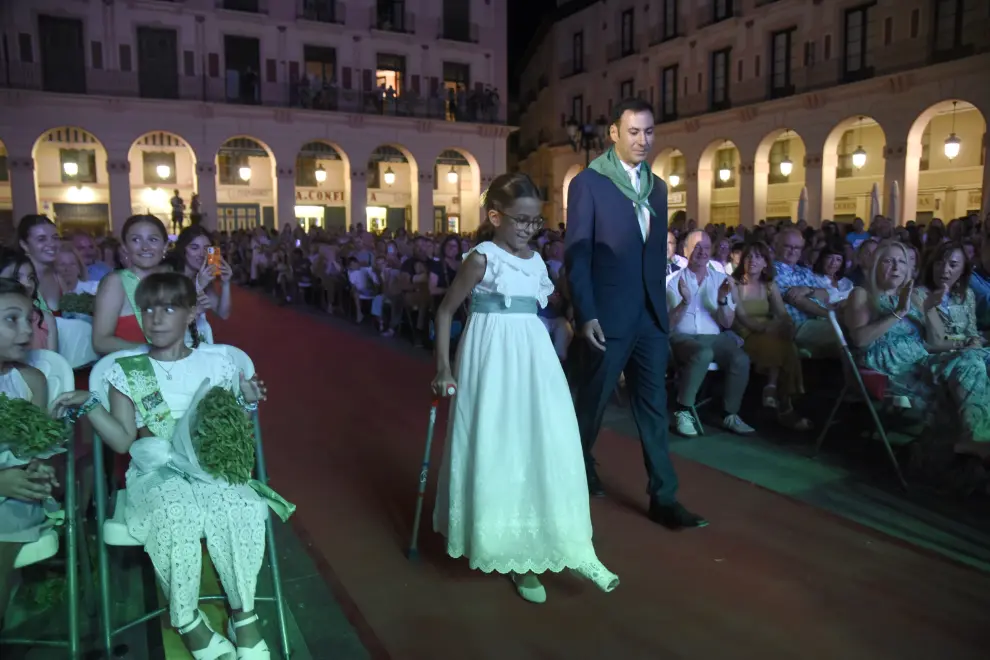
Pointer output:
x,y
609,165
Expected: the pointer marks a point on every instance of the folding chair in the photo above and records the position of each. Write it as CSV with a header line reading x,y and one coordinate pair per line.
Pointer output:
x,y
871,387
58,373
113,531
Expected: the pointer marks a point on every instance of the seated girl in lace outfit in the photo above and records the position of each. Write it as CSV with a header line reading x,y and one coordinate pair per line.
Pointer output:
x,y
23,486
513,491
168,510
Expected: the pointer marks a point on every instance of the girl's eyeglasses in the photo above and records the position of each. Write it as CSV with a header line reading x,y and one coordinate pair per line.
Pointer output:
x,y
529,224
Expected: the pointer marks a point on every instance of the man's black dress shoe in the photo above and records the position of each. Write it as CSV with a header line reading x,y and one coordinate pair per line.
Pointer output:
x,y
595,484
675,516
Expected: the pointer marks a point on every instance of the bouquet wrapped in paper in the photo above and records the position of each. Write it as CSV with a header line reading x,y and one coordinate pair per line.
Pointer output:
x,y
28,432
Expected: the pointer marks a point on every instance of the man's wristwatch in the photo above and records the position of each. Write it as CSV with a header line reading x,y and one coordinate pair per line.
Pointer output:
x,y
723,302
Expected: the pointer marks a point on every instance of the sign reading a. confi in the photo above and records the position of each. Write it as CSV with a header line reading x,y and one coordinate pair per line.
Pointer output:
x,y
319,195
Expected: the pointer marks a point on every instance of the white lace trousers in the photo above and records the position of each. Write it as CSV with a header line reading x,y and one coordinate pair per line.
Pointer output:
x,y
173,516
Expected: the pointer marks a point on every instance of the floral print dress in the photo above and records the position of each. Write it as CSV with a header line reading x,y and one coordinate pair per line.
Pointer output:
x,y
948,387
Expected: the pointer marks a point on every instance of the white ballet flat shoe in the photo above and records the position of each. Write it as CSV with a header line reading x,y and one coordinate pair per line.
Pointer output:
x,y
219,647
535,594
257,652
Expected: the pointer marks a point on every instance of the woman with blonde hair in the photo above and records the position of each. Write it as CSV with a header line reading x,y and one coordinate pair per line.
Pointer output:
x,y
885,321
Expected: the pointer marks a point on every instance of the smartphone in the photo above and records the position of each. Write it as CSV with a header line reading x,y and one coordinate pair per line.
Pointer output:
x,y
298,242
213,257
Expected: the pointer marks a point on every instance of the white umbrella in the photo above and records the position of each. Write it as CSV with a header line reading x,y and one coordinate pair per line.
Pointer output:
x,y
894,208
803,205
874,202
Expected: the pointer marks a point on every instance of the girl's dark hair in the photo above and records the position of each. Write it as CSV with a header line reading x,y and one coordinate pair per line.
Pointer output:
x,y
176,259
941,253
766,275
28,223
501,194
17,260
143,217
828,251
168,289
9,286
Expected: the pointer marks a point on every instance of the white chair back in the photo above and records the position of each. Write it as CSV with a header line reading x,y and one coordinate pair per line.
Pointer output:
x,y
57,371
97,377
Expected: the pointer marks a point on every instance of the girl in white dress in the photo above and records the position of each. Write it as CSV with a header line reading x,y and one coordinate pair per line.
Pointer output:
x,y
23,484
167,510
513,492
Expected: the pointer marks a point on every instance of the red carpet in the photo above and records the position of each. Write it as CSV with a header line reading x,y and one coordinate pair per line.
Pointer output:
x,y
770,578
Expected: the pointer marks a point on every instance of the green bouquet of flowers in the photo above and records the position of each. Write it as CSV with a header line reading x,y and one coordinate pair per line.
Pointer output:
x,y
223,437
28,430
77,303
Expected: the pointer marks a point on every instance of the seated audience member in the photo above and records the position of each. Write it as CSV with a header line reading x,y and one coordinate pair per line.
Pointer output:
x,y
38,237
857,234
805,293
72,274
85,247
191,258
831,266
914,260
553,256
864,261
885,325
951,319
675,262
415,279
979,284
699,301
18,267
763,322
554,317
390,297
365,285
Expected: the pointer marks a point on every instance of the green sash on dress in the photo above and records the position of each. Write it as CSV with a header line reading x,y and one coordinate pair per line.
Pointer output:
x,y
151,405
130,281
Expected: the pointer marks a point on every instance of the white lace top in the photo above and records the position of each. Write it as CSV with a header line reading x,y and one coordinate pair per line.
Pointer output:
x,y
186,374
512,276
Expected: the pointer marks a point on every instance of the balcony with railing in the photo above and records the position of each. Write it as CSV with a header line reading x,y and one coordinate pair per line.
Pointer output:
x,y
570,68
254,91
391,17
248,6
458,31
323,11
621,48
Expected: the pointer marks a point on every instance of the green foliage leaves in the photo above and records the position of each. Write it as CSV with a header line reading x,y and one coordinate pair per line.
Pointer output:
x,y
224,437
77,303
28,430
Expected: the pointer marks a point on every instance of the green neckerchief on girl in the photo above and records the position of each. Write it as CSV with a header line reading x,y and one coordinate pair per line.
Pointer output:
x,y
151,405
609,165
130,281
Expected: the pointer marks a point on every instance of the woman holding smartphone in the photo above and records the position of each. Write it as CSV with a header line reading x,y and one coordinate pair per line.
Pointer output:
x,y
197,258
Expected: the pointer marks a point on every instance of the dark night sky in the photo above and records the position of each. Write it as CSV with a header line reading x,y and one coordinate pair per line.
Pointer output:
x,y
525,17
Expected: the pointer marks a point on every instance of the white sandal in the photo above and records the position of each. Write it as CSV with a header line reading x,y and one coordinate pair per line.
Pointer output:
x,y
219,647
537,594
257,652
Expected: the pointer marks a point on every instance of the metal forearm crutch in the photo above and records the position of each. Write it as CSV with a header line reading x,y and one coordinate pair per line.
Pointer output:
x,y
424,470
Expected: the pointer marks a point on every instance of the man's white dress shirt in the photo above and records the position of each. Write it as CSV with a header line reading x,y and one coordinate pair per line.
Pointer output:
x,y
699,317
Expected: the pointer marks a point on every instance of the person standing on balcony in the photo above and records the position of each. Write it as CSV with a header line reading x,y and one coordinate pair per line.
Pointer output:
x,y
615,260
178,211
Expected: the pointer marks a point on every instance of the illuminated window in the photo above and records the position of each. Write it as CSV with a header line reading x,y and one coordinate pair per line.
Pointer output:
x,y
391,72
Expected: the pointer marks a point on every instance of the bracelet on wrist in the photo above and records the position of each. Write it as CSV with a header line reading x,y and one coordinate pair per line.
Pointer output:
x,y
897,316
90,404
242,402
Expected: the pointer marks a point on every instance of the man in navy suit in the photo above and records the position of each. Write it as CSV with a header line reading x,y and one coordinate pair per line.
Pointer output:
x,y
616,269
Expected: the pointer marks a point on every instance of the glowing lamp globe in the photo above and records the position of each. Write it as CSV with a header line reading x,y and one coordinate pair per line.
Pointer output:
x,y
674,180
244,172
389,177
952,146
859,158
452,176
163,171
320,174
724,174
786,167
70,168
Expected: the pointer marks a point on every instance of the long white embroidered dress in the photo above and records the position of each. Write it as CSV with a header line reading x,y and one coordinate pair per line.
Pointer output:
x,y
20,521
170,513
513,492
